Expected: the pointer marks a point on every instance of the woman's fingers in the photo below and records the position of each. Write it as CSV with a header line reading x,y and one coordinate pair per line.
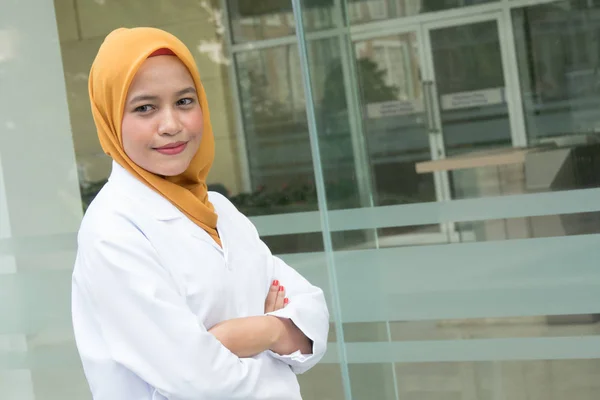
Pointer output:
x,y
276,299
279,302
272,297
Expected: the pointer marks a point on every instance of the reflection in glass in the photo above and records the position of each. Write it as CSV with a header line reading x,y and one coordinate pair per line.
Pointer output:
x,y
361,11
474,115
259,20
541,326
277,143
388,71
468,64
268,19
559,69
253,20
277,140
558,56
390,293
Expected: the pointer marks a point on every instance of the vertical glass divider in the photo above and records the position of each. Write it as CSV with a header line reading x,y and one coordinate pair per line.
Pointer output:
x,y
321,196
240,129
393,364
360,149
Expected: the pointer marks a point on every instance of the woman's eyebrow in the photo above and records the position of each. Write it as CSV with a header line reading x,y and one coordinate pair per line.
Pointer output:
x,y
186,91
143,97
148,97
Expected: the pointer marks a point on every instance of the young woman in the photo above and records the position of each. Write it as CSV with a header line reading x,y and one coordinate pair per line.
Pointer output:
x,y
174,294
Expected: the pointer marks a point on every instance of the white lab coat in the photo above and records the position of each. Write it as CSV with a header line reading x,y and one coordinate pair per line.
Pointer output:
x,y
148,283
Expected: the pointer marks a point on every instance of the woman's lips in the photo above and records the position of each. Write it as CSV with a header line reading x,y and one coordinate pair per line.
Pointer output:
x,y
172,149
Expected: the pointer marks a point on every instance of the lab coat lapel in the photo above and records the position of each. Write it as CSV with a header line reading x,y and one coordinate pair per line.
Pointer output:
x,y
159,207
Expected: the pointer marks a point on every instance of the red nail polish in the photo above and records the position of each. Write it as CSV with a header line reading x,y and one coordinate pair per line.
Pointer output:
x,y
275,282
281,288
286,300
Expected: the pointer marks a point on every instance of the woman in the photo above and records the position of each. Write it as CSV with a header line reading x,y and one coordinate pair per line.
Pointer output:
x,y
174,294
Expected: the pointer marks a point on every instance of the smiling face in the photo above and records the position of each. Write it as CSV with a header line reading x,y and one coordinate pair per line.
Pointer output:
x,y
162,120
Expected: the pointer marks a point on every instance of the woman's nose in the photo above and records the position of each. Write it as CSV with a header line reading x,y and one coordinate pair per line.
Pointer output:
x,y
170,123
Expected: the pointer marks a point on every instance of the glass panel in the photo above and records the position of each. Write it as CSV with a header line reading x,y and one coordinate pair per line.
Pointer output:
x,y
470,85
338,146
389,74
372,381
278,146
251,20
489,380
474,328
559,57
269,19
40,211
323,381
361,11
499,380
465,247
469,79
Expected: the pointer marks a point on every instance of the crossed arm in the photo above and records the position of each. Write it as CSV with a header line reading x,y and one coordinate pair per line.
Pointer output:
x,y
249,336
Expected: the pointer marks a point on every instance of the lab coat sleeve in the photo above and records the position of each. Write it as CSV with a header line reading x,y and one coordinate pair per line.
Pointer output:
x,y
307,309
149,328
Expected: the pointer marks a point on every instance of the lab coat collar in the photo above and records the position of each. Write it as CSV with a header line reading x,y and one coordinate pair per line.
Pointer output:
x,y
153,202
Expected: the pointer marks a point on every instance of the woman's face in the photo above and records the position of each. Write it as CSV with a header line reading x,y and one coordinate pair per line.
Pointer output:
x,y
162,121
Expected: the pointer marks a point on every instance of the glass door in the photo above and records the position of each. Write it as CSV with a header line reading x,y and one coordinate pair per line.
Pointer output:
x,y
398,121
437,118
466,91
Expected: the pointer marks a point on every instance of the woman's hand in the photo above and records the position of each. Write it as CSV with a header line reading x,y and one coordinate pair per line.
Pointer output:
x,y
288,337
276,299
249,336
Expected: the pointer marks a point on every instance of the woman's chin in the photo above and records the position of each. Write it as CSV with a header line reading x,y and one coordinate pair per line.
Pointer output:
x,y
171,169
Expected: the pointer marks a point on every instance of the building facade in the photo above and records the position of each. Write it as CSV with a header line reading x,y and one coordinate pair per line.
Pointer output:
x,y
434,165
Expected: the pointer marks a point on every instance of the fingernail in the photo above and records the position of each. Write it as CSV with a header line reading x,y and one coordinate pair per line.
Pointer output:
x,y
281,288
275,282
286,300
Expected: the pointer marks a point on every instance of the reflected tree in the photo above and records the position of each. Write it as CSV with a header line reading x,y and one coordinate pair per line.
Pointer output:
x,y
373,85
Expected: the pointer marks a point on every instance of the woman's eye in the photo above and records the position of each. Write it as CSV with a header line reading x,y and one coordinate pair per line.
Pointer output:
x,y
143,109
185,102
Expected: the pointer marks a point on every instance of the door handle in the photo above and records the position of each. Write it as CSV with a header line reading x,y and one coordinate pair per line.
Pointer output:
x,y
429,104
426,106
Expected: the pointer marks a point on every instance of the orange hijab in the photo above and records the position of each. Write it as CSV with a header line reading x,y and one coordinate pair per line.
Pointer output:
x,y
117,62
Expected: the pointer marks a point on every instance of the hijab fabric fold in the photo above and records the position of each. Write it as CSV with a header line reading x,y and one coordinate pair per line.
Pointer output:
x,y
118,60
